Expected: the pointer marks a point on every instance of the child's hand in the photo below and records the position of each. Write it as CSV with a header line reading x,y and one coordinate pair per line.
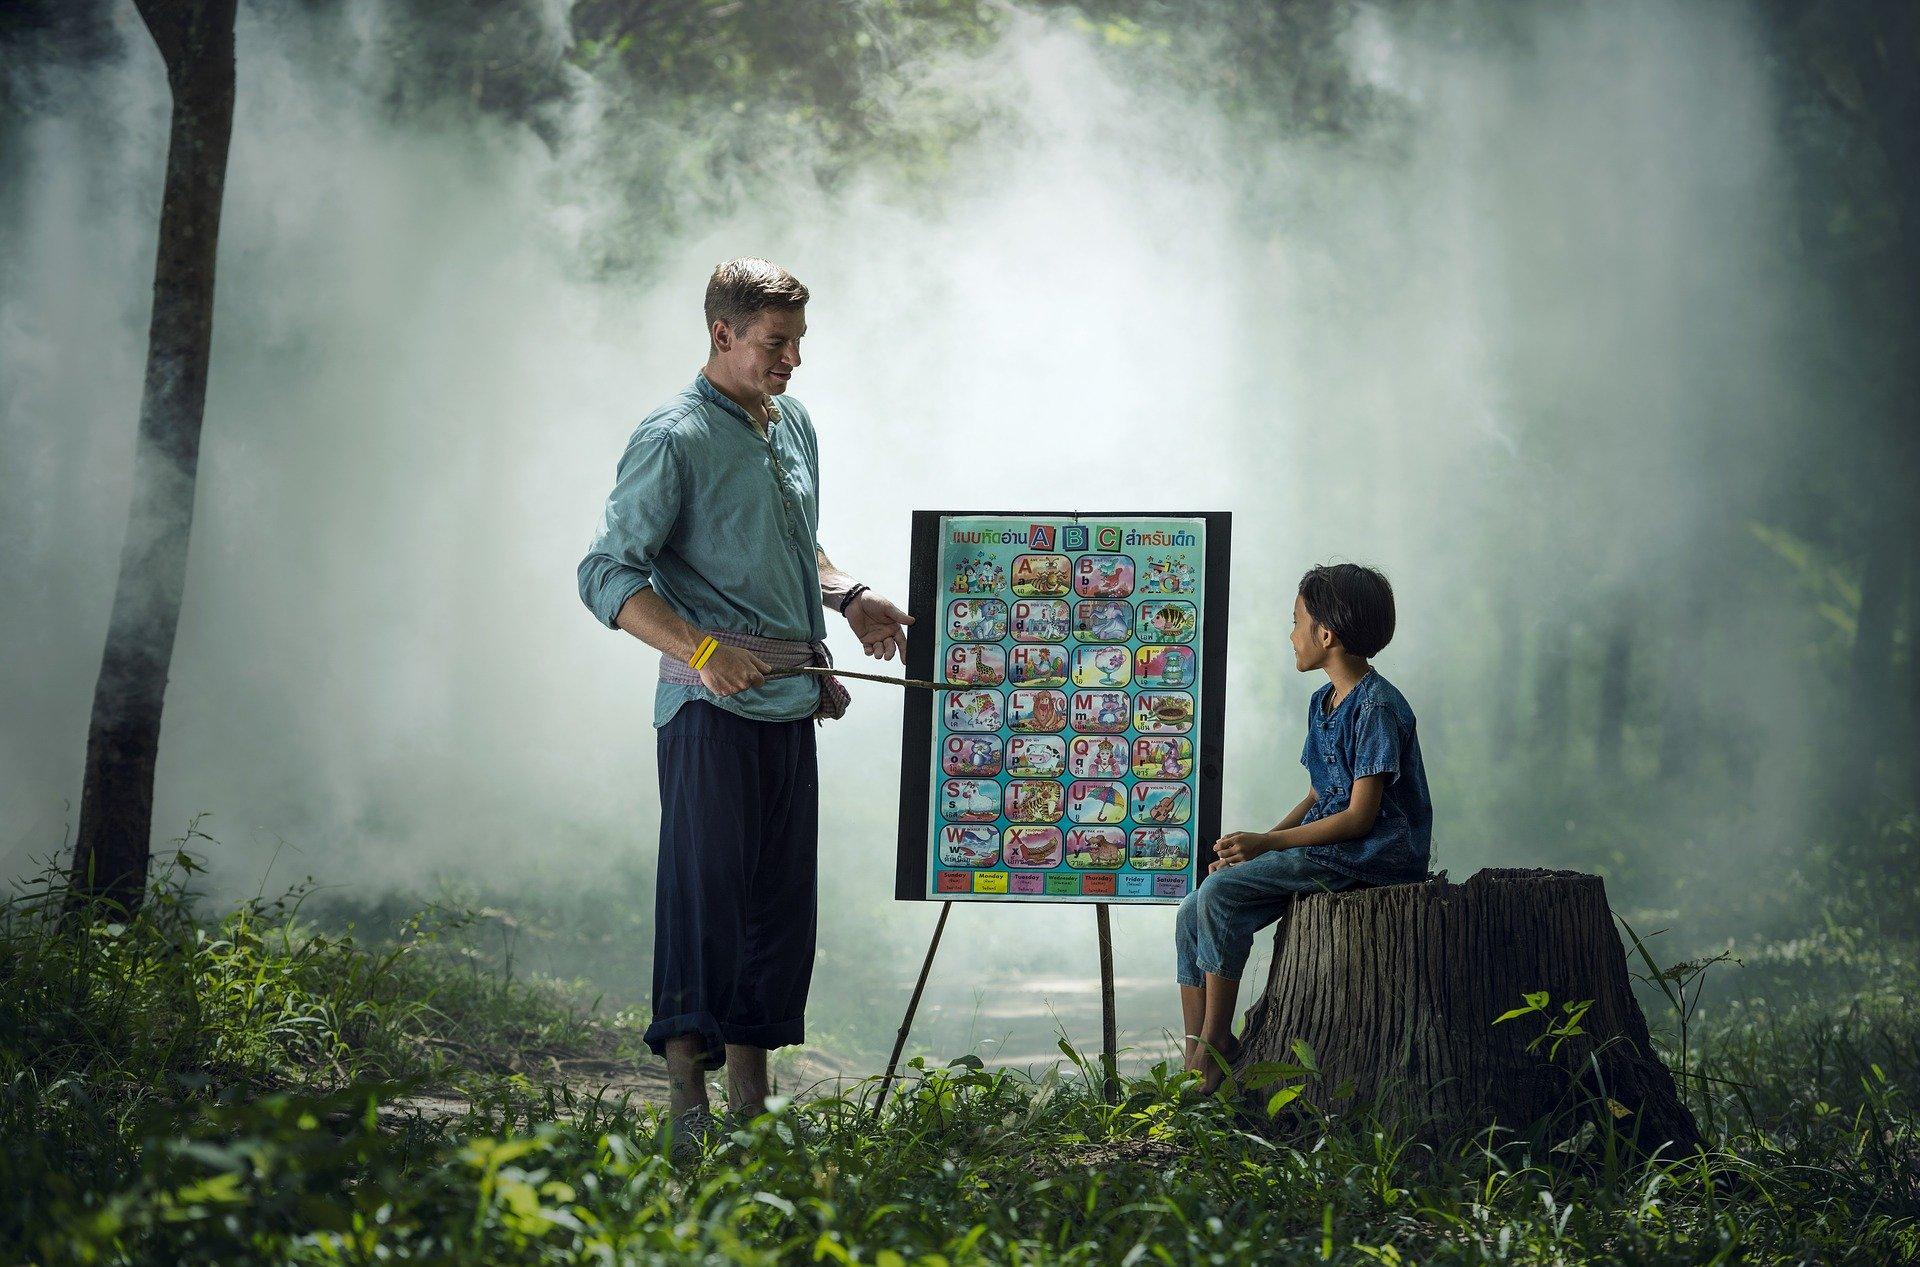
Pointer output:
x,y
1241,846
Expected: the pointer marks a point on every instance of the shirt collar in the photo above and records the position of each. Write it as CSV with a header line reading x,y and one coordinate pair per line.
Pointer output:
x,y
714,395
1320,713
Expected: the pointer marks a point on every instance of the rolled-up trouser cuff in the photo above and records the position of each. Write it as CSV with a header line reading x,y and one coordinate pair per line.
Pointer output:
x,y
717,1035
1220,969
713,1053
788,1033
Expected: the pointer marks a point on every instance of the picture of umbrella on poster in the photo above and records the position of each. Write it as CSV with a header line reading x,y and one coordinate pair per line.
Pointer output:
x,y
1073,752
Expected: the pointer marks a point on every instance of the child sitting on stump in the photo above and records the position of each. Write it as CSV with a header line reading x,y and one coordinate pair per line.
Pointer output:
x,y
1366,819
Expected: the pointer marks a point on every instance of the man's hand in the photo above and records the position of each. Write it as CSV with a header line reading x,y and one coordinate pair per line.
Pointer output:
x,y
1241,846
730,670
880,626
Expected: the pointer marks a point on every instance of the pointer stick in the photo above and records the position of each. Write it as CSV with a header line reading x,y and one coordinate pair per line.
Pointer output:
x,y
872,677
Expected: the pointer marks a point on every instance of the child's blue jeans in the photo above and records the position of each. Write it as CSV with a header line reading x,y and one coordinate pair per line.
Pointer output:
x,y
1217,921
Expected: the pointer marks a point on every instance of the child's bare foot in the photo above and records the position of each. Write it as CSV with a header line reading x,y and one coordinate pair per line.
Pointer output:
x,y
1216,1057
1196,1052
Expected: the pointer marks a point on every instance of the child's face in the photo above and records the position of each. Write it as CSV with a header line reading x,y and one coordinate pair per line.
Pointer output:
x,y
1311,641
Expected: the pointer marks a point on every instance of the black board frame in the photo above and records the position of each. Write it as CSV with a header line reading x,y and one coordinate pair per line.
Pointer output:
x,y
916,725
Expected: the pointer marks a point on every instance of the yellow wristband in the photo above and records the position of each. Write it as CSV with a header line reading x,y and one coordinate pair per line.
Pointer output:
x,y
703,652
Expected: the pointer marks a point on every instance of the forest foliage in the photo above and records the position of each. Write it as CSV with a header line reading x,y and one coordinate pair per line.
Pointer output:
x,y
247,1088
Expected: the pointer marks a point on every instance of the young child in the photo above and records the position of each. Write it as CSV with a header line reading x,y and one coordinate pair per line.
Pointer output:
x,y
1366,819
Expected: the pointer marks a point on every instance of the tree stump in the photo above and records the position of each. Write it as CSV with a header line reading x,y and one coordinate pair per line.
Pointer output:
x,y
1396,991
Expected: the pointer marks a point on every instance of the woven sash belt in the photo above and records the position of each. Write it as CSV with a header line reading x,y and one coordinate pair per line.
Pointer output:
x,y
781,653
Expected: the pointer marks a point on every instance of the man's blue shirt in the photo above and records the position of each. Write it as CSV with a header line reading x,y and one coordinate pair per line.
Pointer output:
x,y
721,522
1372,731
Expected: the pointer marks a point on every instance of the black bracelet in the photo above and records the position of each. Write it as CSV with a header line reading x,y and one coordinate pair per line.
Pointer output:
x,y
852,594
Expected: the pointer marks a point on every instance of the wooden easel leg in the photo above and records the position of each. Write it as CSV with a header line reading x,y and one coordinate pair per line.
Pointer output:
x,y
1109,1033
913,1005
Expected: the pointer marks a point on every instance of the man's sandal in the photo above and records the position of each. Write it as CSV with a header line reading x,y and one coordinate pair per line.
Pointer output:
x,y
691,1134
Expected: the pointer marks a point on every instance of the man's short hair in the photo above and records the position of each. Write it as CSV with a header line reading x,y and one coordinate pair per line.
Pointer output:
x,y
1355,602
742,289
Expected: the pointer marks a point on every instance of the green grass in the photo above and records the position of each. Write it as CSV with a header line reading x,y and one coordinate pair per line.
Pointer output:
x,y
111,1033
181,1089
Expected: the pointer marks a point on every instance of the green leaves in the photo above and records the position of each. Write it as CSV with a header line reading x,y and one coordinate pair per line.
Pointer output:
x,y
1266,1073
1535,1002
1557,1030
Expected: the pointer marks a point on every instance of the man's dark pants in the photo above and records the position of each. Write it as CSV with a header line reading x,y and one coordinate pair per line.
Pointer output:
x,y
734,909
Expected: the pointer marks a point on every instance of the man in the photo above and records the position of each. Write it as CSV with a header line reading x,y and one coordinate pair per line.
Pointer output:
x,y
707,552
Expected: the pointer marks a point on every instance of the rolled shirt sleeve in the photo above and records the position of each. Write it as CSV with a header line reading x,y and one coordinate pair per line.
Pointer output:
x,y
1377,742
638,518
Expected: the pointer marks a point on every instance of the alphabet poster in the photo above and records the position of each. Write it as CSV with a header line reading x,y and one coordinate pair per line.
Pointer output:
x,y
1075,757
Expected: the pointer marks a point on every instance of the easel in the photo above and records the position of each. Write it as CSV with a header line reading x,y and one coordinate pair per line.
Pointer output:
x,y
1109,1031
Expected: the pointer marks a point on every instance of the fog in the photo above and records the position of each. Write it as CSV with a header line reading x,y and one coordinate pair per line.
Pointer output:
x,y
1525,337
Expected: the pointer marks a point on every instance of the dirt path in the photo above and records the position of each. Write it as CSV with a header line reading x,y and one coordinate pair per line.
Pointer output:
x,y
591,1078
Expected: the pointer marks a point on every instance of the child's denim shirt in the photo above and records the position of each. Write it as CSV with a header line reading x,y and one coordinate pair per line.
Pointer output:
x,y
1371,732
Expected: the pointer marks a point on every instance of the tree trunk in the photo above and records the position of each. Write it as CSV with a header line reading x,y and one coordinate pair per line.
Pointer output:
x,y
1551,694
1882,577
1680,726
195,39
1912,741
1615,685
1504,688
1396,991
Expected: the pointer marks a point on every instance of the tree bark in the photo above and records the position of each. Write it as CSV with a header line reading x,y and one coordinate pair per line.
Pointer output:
x,y
111,851
1396,991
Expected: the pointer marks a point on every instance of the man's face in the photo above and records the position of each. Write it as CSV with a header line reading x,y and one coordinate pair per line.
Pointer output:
x,y
1311,640
764,353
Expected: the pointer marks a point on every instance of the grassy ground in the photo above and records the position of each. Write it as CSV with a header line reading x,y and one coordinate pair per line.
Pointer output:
x,y
178,1090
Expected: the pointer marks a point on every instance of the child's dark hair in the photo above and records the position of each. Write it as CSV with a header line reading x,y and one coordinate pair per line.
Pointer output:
x,y
1355,602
